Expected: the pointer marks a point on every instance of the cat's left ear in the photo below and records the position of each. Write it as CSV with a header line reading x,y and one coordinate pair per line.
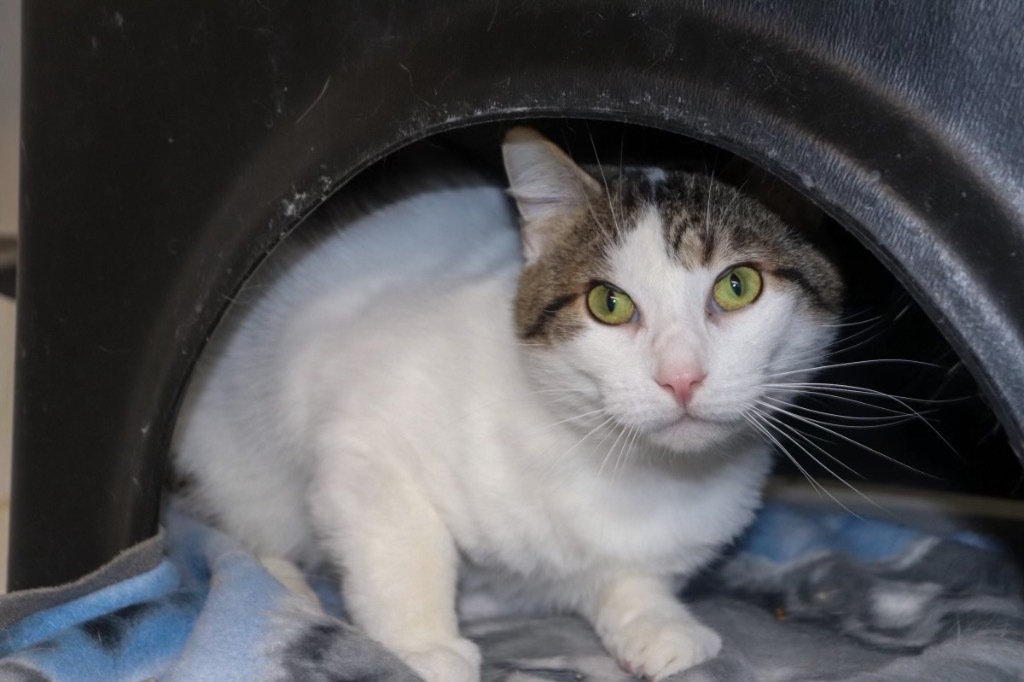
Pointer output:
x,y
552,192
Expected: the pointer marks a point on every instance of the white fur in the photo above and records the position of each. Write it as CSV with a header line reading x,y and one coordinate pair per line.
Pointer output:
x,y
373,405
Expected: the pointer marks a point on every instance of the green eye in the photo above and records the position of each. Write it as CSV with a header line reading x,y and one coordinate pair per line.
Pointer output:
x,y
737,288
610,305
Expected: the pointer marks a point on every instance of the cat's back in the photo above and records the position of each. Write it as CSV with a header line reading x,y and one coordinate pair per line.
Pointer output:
x,y
356,272
357,284
409,269
436,231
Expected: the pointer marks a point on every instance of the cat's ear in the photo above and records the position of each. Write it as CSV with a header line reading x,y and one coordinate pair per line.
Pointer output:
x,y
551,191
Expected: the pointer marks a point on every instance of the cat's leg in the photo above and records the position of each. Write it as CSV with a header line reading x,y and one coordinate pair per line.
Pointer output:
x,y
645,626
291,577
400,569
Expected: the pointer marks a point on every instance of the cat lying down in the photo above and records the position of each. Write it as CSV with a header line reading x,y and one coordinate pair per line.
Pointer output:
x,y
457,412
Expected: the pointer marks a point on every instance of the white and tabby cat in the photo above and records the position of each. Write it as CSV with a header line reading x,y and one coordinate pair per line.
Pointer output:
x,y
552,417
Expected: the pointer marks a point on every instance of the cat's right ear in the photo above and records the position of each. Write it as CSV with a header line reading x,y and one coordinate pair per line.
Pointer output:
x,y
552,192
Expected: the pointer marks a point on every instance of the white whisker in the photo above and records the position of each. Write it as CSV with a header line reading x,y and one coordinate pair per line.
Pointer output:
x,y
763,429
826,390
859,444
879,422
604,180
856,363
586,197
622,448
578,416
631,444
589,434
852,342
841,324
858,390
609,453
781,424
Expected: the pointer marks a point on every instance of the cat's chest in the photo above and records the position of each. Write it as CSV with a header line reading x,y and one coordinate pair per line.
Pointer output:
x,y
646,518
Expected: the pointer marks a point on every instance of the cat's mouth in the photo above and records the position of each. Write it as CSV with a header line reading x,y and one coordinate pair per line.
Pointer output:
x,y
686,418
692,432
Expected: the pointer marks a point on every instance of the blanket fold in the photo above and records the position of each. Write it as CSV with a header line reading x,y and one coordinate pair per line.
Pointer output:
x,y
802,596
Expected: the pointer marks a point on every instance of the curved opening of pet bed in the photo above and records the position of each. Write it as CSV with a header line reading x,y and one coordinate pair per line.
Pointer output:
x,y
900,406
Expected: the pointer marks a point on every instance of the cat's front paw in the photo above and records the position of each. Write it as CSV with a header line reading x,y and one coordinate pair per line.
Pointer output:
x,y
456,660
655,646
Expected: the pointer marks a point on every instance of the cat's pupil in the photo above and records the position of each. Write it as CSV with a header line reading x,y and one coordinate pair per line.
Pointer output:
x,y
736,284
611,302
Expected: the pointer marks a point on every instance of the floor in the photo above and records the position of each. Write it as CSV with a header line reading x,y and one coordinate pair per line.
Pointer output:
x,y
10,65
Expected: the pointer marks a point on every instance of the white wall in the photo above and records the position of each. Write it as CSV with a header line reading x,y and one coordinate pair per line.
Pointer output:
x,y
10,83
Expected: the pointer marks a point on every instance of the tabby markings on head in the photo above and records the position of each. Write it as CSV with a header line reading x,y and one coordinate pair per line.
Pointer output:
x,y
704,221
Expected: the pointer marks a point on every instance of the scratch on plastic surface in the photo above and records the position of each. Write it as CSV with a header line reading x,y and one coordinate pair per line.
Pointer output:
x,y
408,72
493,16
412,89
316,101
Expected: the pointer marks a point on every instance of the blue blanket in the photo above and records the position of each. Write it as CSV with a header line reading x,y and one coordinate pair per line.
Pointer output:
x,y
803,596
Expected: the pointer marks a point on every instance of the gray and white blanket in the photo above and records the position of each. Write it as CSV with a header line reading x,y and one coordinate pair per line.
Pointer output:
x,y
803,596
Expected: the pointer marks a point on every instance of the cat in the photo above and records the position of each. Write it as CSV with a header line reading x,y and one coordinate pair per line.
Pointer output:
x,y
550,409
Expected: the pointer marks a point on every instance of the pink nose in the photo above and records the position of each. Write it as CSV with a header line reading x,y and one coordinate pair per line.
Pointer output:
x,y
682,385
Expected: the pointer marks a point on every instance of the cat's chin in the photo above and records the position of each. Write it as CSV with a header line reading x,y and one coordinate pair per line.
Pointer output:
x,y
690,435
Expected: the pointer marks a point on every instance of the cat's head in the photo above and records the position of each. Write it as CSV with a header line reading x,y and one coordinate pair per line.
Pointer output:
x,y
667,303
